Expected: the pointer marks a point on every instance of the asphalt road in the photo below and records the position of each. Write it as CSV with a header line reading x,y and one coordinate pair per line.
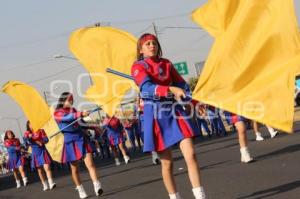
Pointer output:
x,y
274,174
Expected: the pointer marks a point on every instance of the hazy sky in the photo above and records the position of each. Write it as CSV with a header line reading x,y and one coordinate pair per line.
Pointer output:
x,y
33,31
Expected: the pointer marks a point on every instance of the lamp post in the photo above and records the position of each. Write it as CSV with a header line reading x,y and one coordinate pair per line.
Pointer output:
x,y
59,56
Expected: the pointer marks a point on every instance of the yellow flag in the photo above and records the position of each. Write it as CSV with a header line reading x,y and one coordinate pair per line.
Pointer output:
x,y
252,65
99,48
37,112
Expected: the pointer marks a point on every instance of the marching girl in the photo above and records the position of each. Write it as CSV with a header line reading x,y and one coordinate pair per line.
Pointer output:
x,y
201,114
165,123
115,133
128,125
15,161
75,147
239,123
40,158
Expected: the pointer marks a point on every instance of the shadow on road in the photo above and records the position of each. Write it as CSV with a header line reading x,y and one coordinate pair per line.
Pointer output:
x,y
273,191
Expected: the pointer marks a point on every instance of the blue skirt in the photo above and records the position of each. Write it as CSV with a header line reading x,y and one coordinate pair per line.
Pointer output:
x,y
39,157
115,138
75,150
165,126
15,160
232,118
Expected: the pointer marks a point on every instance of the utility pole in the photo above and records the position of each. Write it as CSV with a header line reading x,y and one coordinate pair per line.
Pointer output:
x,y
45,96
154,29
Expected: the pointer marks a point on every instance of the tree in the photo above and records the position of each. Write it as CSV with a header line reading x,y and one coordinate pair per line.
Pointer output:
x,y
193,82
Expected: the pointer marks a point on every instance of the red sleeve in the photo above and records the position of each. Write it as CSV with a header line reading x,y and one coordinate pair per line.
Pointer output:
x,y
7,143
43,133
139,73
26,134
17,142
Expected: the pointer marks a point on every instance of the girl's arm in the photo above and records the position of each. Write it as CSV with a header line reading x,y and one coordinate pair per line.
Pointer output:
x,y
147,87
61,116
44,137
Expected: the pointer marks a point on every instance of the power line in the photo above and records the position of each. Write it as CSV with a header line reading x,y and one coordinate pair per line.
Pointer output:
x,y
53,75
181,27
27,65
30,42
149,19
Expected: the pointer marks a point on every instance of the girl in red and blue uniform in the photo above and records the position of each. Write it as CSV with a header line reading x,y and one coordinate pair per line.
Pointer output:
x,y
75,146
40,157
165,123
15,161
239,124
115,132
128,125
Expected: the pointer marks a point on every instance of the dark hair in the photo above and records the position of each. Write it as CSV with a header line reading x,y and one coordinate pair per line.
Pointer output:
x,y
8,131
62,99
139,55
28,126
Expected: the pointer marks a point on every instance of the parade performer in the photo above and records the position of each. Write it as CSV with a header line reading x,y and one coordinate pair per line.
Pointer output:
x,y
40,157
115,133
164,122
75,147
15,161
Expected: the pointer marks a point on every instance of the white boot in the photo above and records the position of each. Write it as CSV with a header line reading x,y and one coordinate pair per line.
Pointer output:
x,y
155,158
117,161
126,158
52,184
245,155
199,193
81,191
18,184
259,137
98,188
272,132
45,186
174,196
25,181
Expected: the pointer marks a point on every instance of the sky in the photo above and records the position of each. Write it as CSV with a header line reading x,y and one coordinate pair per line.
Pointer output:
x,y
33,32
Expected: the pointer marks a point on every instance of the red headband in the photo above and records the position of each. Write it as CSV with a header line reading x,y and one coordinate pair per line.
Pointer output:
x,y
148,37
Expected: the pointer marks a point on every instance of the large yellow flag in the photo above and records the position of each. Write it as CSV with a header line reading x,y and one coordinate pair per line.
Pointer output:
x,y
251,68
99,48
37,112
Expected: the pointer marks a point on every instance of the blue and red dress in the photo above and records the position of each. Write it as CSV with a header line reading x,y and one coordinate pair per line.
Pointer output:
x,y
232,118
164,124
39,154
15,160
75,146
115,130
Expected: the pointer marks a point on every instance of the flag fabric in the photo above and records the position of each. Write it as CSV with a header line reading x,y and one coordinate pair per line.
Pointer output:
x,y
99,48
252,65
37,112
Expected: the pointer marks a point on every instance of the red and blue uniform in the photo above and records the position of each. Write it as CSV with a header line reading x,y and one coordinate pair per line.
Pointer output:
x,y
15,160
115,130
215,119
39,154
164,124
75,146
232,118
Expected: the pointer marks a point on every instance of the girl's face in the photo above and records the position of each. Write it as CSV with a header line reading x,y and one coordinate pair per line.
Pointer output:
x,y
69,102
10,135
149,48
